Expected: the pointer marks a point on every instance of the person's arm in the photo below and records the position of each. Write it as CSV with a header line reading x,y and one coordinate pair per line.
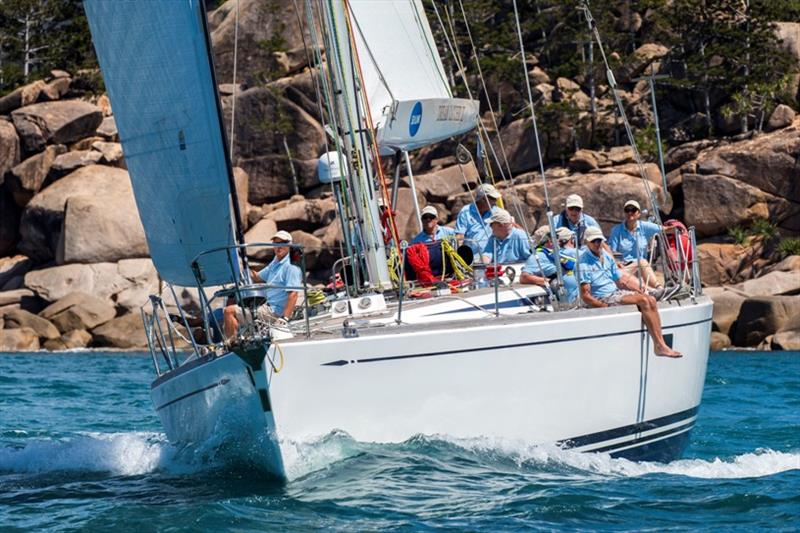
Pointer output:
x,y
588,298
527,278
291,302
254,277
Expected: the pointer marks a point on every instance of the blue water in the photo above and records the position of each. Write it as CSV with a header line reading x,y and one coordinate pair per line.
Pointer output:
x,y
81,449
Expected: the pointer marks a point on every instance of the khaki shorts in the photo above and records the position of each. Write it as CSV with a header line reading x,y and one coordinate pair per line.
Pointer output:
x,y
615,298
263,313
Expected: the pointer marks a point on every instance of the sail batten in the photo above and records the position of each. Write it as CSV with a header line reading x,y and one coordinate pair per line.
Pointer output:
x,y
157,70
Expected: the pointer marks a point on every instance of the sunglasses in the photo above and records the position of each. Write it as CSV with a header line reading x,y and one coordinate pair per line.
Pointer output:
x,y
574,209
428,217
631,210
596,241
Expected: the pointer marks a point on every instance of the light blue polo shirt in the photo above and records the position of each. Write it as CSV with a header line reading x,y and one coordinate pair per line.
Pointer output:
x,y
624,242
544,258
513,249
440,233
280,273
474,227
584,222
601,277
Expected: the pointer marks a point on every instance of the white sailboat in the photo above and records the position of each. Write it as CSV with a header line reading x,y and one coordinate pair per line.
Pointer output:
x,y
496,361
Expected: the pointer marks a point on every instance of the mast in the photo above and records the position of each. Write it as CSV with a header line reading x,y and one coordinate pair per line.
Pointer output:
x,y
350,107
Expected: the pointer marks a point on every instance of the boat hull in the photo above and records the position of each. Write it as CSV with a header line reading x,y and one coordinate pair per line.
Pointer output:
x,y
585,381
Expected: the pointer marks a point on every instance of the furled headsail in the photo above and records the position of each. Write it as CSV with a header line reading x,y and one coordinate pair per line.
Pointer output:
x,y
408,93
157,68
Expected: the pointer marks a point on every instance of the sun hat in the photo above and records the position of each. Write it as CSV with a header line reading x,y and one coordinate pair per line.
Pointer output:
x,y
282,235
574,200
541,235
564,234
592,233
501,216
634,203
487,189
429,210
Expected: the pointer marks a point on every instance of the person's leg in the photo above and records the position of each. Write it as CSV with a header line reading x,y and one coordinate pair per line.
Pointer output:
x,y
649,308
230,324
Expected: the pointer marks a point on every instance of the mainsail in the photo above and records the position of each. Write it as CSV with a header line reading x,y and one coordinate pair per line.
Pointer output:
x,y
409,97
157,69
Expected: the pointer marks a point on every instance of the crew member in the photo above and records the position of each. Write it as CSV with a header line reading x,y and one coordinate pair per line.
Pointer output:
x,y
431,230
472,223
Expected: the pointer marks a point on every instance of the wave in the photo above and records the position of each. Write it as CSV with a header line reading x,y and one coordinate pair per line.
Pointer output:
x,y
140,453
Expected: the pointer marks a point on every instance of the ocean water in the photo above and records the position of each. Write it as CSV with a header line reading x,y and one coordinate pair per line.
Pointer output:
x,y
81,449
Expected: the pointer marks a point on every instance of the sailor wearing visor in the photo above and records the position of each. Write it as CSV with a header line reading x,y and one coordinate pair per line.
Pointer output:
x,y
540,268
431,230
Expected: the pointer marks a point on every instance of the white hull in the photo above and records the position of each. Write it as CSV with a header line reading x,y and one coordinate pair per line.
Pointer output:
x,y
586,379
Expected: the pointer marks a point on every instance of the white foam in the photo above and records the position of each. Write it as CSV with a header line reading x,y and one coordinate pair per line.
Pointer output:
x,y
760,463
303,457
125,454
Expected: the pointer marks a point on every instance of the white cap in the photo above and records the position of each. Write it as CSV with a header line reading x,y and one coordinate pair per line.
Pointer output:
x,y
541,235
592,233
501,216
284,236
429,210
563,234
487,189
574,200
634,203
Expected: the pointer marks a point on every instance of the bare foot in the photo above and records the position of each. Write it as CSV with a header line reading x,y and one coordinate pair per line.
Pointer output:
x,y
666,351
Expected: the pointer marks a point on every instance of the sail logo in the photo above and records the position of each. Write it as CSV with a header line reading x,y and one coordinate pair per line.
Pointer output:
x,y
416,119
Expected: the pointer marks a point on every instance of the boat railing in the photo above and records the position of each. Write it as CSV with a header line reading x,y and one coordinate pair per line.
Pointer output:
x,y
678,259
246,293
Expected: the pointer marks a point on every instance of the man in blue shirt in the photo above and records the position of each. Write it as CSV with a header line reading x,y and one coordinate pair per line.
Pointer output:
x,y
431,230
284,281
511,244
630,239
472,223
603,285
573,218
540,268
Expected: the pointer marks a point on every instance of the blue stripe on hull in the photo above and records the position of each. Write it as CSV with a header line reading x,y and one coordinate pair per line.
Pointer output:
x,y
663,451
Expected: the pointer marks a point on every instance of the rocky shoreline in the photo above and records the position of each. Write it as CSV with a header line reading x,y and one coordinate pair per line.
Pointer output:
x,y
74,265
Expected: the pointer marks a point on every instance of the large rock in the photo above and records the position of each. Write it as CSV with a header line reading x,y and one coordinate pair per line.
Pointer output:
x,y
722,263
19,318
439,185
306,215
734,203
99,229
242,182
111,153
9,147
641,58
781,116
771,284
727,304
11,267
71,340
261,232
761,317
263,30
108,129
259,143
312,248
59,122
15,297
72,161
78,311
18,340
126,284
43,217
719,341
27,178
124,332
604,195
20,97
788,336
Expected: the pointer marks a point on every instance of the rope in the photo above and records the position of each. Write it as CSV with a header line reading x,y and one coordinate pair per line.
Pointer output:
x,y
278,349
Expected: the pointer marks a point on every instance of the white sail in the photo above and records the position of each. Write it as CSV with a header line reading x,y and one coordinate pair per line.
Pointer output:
x,y
157,70
409,97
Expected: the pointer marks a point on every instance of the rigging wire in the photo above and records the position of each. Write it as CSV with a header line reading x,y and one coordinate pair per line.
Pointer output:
x,y
612,83
235,62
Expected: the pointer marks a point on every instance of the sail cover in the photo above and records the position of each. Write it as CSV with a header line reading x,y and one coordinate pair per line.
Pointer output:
x,y
156,65
409,97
